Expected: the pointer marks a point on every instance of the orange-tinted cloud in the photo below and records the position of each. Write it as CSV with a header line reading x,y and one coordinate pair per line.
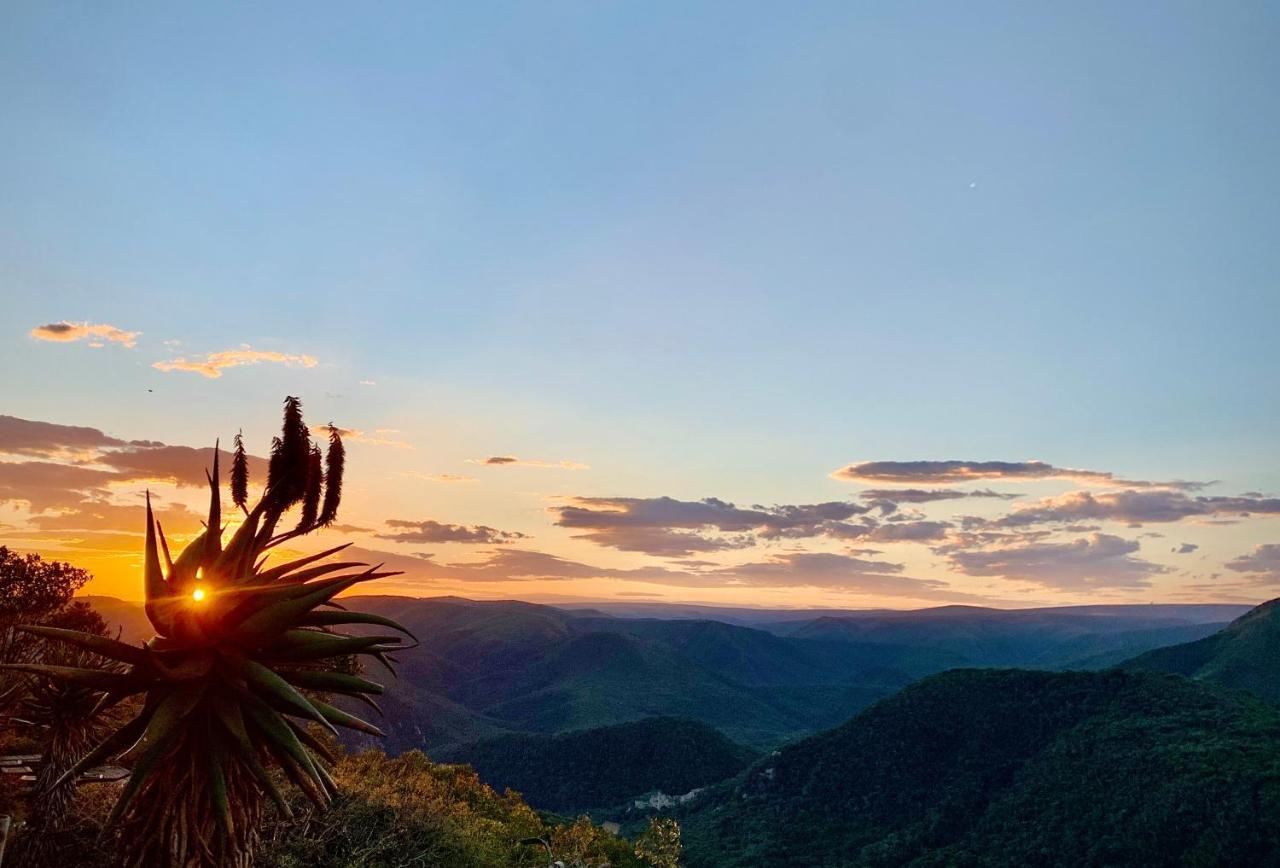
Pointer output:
x,y
513,461
951,472
354,435
212,365
438,477
66,332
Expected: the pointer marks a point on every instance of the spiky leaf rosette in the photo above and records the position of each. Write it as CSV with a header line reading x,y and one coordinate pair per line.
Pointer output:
x,y
228,682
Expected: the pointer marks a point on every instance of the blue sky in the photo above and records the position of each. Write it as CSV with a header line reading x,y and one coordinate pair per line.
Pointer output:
x,y
711,252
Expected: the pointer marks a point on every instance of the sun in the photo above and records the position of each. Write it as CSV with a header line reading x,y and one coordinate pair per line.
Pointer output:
x,y
198,595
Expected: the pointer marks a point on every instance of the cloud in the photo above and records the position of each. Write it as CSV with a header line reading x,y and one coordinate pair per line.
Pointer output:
x,y
951,472
212,365
1134,507
668,527
512,461
177,465
89,463
368,382
430,531
439,477
908,531
66,332
47,439
923,495
819,570
1262,564
353,435
46,485
1094,562
1185,549
176,518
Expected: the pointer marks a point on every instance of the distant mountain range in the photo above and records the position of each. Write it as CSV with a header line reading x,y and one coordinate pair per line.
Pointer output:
x,y
1012,768
491,668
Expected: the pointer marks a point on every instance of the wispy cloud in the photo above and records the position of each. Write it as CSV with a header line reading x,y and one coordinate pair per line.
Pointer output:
x,y
513,461
952,472
354,435
438,477
894,496
212,365
66,332
826,571
1134,507
431,531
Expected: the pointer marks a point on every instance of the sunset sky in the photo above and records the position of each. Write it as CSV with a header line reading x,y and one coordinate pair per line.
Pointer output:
x,y
731,303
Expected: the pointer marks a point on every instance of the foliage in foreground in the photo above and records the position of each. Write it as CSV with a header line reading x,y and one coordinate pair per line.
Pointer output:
x,y
231,680
402,811
409,811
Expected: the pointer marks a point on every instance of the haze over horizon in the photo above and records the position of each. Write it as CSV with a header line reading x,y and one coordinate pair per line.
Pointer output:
x,y
736,305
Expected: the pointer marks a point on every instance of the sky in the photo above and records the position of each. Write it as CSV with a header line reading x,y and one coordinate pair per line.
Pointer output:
x,y
831,304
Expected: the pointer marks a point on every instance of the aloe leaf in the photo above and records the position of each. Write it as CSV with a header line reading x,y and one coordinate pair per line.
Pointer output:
x,y
350,721
330,682
279,737
335,619
139,774
155,588
231,718
299,645
284,569
102,645
318,747
271,687
218,759
169,715
98,679
213,536
283,613
109,746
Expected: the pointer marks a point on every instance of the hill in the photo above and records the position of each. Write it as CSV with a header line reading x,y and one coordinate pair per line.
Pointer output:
x,y
1013,768
1246,655
604,767
1069,637
488,668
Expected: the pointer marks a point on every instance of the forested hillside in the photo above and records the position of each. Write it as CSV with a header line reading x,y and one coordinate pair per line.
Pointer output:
x,y
601,768
1013,768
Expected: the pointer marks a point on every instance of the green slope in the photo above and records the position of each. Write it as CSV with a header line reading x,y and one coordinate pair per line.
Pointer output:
x,y
598,768
1013,768
1246,655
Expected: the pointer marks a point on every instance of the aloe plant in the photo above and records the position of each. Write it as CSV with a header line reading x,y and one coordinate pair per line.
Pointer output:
x,y
230,684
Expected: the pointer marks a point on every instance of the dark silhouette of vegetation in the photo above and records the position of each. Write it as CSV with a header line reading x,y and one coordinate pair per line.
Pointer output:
x,y
67,722
1007,767
602,768
32,590
228,684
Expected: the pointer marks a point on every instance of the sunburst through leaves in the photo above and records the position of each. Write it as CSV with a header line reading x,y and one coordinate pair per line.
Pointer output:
x,y
230,684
